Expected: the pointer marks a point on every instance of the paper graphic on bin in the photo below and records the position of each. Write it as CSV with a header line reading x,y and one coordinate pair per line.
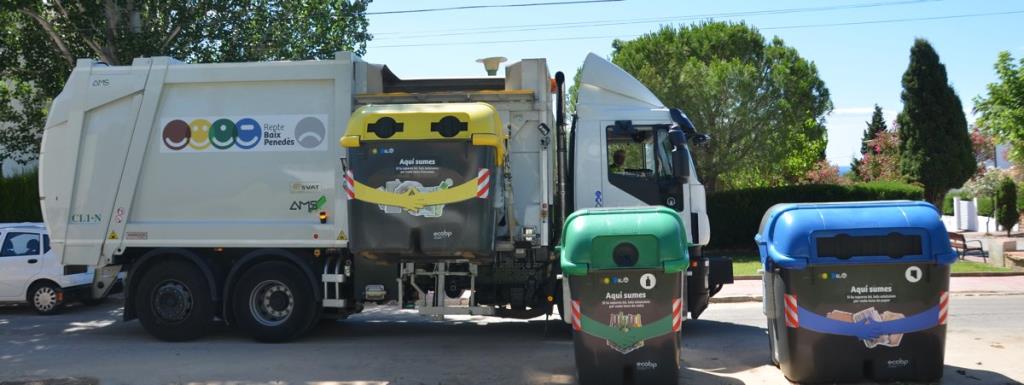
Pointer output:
x,y
410,186
871,315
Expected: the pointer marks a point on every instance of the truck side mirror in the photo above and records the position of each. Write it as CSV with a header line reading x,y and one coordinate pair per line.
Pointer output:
x,y
676,136
681,163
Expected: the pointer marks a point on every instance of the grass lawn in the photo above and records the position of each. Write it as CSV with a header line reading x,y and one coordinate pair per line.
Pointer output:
x,y
748,265
975,267
745,265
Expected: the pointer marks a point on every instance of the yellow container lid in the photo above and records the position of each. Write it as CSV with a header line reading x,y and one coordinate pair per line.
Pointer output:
x,y
477,122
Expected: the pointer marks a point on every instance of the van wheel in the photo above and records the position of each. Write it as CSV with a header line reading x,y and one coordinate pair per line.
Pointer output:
x,y
273,302
46,298
173,302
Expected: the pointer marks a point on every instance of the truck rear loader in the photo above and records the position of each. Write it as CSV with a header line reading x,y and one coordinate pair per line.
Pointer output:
x,y
269,195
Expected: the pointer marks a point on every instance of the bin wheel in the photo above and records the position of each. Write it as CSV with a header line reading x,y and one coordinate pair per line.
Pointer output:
x,y
273,302
174,301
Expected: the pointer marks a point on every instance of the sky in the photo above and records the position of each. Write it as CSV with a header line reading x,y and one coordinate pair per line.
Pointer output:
x,y
861,60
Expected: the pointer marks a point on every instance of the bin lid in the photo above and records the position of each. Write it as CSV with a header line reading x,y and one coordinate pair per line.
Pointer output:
x,y
795,235
476,122
624,238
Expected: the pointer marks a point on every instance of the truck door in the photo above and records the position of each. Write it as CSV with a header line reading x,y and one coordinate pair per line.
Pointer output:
x,y
639,167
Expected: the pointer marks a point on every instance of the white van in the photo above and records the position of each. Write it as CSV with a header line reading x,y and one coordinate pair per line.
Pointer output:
x,y
31,272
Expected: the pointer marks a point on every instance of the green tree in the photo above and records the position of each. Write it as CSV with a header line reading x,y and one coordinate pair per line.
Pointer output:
x,y
874,127
1002,110
1006,205
935,149
762,104
40,41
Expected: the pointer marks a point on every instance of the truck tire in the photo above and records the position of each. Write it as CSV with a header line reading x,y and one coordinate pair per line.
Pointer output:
x,y
46,298
173,301
273,302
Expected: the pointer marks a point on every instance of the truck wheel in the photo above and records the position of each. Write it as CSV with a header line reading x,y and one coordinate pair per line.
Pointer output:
x,y
46,298
173,302
273,302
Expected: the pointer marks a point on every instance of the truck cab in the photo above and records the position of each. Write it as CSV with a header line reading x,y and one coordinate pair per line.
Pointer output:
x,y
623,153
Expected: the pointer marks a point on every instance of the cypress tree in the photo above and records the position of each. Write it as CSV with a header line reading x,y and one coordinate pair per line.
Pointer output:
x,y
935,148
1006,205
875,126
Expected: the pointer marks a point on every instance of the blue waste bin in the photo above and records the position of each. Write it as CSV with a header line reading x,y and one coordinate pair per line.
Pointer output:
x,y
856,291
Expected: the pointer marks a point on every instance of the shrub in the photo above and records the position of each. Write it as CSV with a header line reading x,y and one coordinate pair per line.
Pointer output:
x,y
736,214
1006,211
19,198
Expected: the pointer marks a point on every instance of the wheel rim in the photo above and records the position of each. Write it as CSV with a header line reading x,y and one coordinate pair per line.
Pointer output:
x,y
45,298
172,301
271,302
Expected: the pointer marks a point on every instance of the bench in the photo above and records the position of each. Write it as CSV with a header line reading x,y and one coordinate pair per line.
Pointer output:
x,y
963,246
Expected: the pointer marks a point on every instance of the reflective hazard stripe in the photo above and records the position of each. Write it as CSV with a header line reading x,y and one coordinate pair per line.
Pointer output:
x,y
349,182
576,315
943,307
483,183
677,315
792,320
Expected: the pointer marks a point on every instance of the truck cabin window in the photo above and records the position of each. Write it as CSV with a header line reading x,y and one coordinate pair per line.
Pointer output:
x,y
640,162
644,153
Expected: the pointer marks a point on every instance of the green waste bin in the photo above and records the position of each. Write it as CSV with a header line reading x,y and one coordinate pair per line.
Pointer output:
x,y
624,267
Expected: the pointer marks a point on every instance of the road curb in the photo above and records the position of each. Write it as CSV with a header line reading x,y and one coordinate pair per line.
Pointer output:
x,y
737,299
989,274
954,275
758,298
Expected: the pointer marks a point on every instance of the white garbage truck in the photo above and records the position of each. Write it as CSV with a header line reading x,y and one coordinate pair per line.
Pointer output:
x,y
270,195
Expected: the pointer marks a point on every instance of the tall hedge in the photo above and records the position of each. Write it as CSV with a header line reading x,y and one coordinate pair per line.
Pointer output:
x,y
19,198
736,214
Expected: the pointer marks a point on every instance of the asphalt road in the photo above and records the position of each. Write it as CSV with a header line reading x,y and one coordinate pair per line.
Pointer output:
x,y
985,345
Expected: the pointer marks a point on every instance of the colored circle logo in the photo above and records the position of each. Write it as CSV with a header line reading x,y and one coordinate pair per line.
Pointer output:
x,y
200,134
176,134
310,132
223,133
249,133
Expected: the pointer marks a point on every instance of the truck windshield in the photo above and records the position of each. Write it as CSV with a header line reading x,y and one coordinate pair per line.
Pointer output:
x,y
646,152
640,164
